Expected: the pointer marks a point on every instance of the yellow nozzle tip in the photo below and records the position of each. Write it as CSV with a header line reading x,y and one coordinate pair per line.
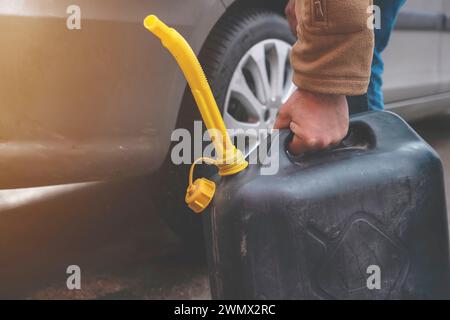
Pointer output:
x,y
151,22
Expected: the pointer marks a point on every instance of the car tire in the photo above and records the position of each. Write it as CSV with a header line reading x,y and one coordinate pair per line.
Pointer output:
x,y
234,35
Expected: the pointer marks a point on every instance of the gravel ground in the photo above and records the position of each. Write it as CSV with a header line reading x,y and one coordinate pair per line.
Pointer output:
x,y
124,252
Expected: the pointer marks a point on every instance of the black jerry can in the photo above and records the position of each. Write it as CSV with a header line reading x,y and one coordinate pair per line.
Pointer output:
x,y
366,220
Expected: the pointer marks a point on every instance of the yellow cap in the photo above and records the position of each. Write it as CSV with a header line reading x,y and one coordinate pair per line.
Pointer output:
x,y
199,194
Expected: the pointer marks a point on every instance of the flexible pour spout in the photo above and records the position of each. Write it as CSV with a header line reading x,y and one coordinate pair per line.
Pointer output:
x,y
230,159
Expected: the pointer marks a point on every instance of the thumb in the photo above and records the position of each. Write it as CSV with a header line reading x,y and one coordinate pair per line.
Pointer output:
x,y
283,121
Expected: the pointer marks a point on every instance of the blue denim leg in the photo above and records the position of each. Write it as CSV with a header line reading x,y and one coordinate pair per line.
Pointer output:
x,y
389,12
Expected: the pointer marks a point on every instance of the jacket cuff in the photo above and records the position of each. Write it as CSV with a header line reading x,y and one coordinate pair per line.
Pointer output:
x,y
348,87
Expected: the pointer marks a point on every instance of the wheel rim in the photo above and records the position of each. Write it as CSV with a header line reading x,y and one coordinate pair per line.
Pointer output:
x,y
260,84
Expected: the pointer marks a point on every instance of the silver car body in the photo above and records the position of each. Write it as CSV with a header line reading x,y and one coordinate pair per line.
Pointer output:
x,y
417,71
95,103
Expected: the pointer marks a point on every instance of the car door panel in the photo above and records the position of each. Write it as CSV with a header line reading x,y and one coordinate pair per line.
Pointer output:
x,y
412,67
90,104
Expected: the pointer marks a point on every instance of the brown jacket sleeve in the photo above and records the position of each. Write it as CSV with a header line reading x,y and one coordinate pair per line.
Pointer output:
x,y
334,52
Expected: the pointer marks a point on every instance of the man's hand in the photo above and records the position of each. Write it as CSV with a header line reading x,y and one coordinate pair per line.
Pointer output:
x,y
318,121
291,16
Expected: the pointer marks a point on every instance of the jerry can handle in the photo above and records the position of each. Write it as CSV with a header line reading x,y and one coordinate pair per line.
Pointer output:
x,y
360,137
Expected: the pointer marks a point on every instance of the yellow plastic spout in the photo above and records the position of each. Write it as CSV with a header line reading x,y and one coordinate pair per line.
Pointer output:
x,y
230,159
